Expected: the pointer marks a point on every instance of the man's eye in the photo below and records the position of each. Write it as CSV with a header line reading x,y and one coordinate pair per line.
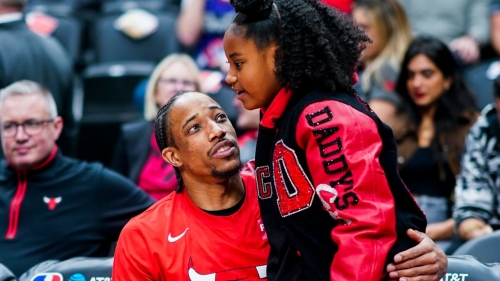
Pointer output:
x,y
8,126
193,128
31,124
221,117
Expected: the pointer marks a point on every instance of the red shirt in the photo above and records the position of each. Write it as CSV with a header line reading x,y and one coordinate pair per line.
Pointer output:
x,y
176,240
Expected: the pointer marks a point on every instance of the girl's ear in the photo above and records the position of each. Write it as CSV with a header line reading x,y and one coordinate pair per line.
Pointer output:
x,y
170,155
271,54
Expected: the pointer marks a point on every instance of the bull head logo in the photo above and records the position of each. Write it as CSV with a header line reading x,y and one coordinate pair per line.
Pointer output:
x,y
244,273
52,201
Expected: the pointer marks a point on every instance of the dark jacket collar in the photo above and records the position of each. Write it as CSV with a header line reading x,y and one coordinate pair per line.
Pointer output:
x,y
18,24
41,165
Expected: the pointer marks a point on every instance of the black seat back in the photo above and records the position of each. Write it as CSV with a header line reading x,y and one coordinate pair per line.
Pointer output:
x,y
113,45
467,268
485,248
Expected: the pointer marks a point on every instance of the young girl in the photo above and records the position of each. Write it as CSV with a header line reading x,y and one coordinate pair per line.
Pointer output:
x,y
331,200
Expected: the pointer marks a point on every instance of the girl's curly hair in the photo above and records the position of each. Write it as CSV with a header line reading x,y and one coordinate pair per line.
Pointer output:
x,y
318,47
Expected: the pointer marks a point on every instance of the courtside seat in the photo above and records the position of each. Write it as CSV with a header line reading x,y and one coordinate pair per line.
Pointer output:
x,y
6,274
484,249
75,269
467,268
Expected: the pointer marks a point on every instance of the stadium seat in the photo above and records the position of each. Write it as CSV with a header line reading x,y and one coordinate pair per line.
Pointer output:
x,y
467,268
75,269
108,91
119,6
483,248
66,29
6,274
108,102
111,44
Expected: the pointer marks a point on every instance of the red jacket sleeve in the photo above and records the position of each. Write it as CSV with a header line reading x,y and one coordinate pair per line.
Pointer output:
x,y
132,260
342,150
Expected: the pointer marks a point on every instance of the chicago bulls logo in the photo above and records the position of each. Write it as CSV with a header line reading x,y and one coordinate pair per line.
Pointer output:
x,y
52,201
242,273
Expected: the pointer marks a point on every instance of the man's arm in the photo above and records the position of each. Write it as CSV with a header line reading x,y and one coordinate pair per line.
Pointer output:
x,y
119,201
478,25
424,262
190,21
495,25
473,190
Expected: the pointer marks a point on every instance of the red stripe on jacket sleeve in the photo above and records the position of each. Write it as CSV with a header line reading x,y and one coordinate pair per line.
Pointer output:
x,y
343,147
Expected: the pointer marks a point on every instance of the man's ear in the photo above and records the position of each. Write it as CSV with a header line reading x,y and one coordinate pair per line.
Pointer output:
x,y
58,126
169,154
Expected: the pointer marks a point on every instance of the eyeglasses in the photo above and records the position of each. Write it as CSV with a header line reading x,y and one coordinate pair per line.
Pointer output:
x,y
30,127
173,81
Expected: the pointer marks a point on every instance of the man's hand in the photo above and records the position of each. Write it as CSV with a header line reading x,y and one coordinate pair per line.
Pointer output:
x,y
424,262
473,228
467,49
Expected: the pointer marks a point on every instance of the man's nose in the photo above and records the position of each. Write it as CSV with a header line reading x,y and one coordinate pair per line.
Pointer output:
x,y
21,134
216,131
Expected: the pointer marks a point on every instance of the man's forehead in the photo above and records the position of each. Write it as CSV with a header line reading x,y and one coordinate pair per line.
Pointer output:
x,y
29,106
193,103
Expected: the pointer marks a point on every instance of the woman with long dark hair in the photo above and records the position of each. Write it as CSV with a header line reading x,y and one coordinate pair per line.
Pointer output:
x,y
430,129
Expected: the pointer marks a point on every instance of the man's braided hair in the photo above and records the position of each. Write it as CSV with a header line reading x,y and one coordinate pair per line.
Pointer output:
x,y
163,133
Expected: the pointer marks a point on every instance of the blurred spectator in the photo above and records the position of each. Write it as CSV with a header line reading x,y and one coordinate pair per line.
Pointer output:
x,y
462,24
495,24
52,206
27,55
479,77
430,129
248,121
385,22
137,156
202,24
478,185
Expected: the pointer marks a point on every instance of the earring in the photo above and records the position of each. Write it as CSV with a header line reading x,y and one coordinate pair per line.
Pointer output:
x,y
446,87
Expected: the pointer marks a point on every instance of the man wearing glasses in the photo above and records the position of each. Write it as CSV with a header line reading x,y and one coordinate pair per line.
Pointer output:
x,y
51,206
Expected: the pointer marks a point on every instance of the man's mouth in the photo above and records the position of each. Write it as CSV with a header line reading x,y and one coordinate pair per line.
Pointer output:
x,y
223,149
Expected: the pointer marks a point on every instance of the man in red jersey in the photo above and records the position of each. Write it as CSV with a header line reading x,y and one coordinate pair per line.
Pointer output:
x,y
210,228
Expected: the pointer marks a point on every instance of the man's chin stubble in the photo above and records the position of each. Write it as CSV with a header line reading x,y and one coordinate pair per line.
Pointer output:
x,y
227,173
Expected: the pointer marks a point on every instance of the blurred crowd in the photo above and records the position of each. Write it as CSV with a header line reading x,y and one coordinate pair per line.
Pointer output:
x,y
82,81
